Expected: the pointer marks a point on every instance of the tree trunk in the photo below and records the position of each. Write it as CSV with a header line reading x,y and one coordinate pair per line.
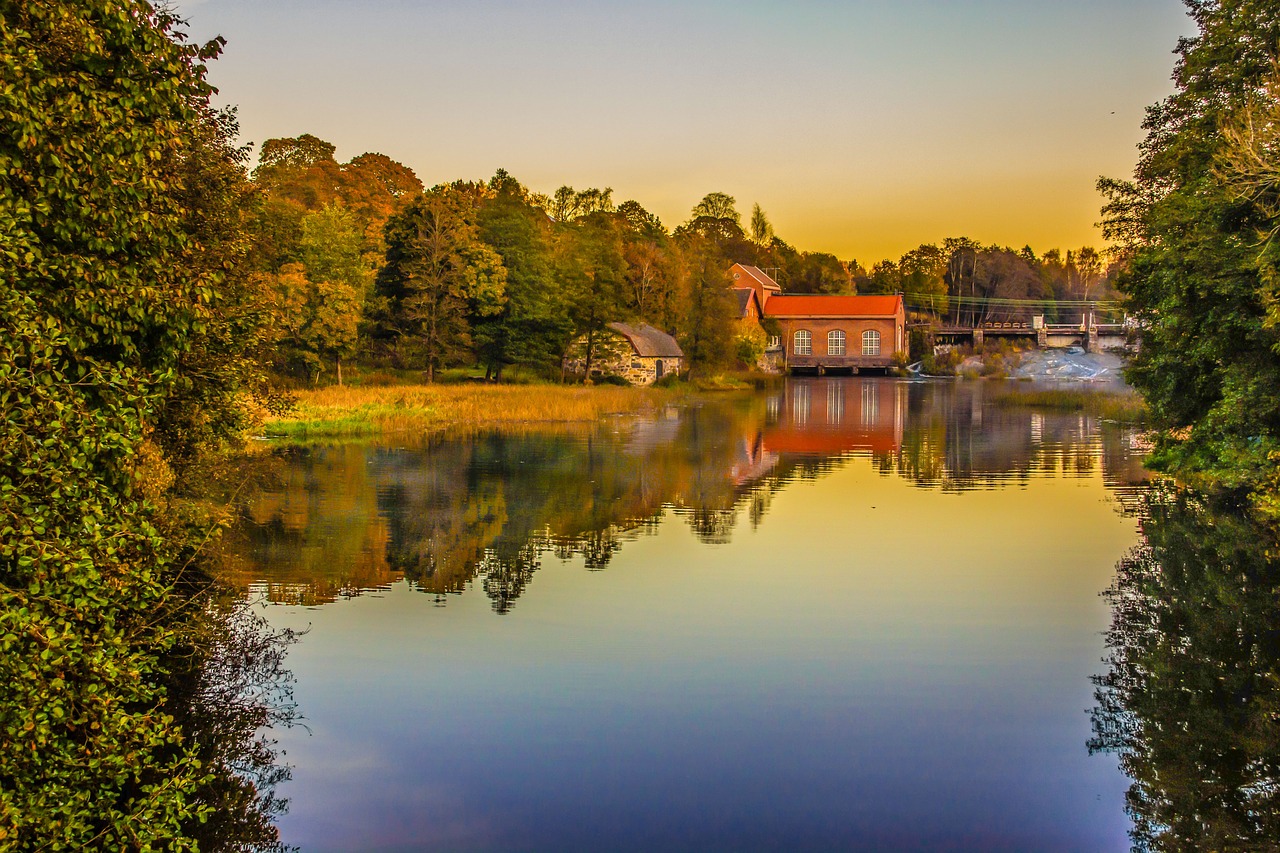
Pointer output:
x,y
339,360
586,375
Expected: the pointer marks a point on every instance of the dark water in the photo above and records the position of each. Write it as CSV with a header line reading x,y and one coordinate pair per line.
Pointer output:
x,y
858,614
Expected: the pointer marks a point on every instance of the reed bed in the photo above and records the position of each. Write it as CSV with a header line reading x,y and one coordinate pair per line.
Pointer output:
x,y
1125,406
348,411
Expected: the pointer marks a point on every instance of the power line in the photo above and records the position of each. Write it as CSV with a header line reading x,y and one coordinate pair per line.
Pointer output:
x,y
917,300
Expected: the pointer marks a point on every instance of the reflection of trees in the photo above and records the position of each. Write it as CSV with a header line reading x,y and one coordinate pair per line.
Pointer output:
x,y
237,688
486,506
1191,701
957,436
315,523
505,579
451,510
712,526
226,685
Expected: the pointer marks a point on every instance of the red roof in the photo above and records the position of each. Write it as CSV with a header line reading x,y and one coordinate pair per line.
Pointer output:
x,y
833,306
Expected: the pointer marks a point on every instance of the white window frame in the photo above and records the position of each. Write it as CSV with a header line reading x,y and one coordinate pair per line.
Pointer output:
x,y
836,339
871,342
802,342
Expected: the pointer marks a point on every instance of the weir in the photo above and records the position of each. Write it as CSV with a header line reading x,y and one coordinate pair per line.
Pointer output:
x,y
1089,334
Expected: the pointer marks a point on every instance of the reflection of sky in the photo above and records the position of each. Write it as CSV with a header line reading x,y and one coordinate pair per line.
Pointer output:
x,y
878,666
862,127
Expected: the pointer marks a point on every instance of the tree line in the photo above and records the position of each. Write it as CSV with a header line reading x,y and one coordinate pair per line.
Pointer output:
x,y
358,261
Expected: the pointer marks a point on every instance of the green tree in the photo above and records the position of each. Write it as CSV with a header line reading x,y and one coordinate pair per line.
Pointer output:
x,y
883,277
568,203
533,325
120,302
592,274
438,276
706,329
761,230
717,206
1207,361
1249,164
819,272
652,267
318,302
923,278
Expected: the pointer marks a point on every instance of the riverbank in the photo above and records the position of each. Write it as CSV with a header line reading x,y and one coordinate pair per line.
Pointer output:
x,y
344,411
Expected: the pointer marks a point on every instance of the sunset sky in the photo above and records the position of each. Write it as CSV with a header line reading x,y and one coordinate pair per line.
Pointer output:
x,y
863,128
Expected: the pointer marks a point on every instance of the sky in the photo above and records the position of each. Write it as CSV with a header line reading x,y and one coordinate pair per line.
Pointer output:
x,y
862,128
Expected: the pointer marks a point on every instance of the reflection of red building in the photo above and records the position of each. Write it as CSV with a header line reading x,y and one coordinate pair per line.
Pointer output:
x,y
835,416
753,460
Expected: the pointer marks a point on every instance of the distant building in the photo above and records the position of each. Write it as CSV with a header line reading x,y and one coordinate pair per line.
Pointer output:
x,y
820,332
840,332
639,353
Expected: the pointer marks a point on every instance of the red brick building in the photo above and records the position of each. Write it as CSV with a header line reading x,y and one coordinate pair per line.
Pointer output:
x,y
755,280
840,332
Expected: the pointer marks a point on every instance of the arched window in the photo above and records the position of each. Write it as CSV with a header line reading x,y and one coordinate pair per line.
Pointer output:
x,y
802,343
870,342
835,342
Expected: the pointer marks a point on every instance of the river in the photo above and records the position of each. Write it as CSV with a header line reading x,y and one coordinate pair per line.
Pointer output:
x,y
847,614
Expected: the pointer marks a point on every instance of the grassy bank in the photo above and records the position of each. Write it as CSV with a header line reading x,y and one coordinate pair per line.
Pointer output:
x,y
1121,405
346,411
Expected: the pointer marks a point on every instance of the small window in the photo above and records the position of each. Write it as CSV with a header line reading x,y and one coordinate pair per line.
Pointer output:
x,y
802,343
637,365
835,342
870,342
775,342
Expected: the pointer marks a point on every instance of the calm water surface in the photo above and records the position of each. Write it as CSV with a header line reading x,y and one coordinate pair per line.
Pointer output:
x,y
854,614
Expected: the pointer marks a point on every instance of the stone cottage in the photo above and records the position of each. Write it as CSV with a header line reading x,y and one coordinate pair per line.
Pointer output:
x,y
639,353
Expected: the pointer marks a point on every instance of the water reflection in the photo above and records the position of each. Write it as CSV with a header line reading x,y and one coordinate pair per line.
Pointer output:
x,y
1191,702
450,510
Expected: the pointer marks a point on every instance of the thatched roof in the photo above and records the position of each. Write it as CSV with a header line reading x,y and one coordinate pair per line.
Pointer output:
x,y
649,342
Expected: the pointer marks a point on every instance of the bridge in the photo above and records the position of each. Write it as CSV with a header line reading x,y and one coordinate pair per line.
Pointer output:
x,y
1088,334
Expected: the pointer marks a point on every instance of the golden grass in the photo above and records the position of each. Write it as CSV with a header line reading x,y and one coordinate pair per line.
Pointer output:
x,y
347,411
1124,405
